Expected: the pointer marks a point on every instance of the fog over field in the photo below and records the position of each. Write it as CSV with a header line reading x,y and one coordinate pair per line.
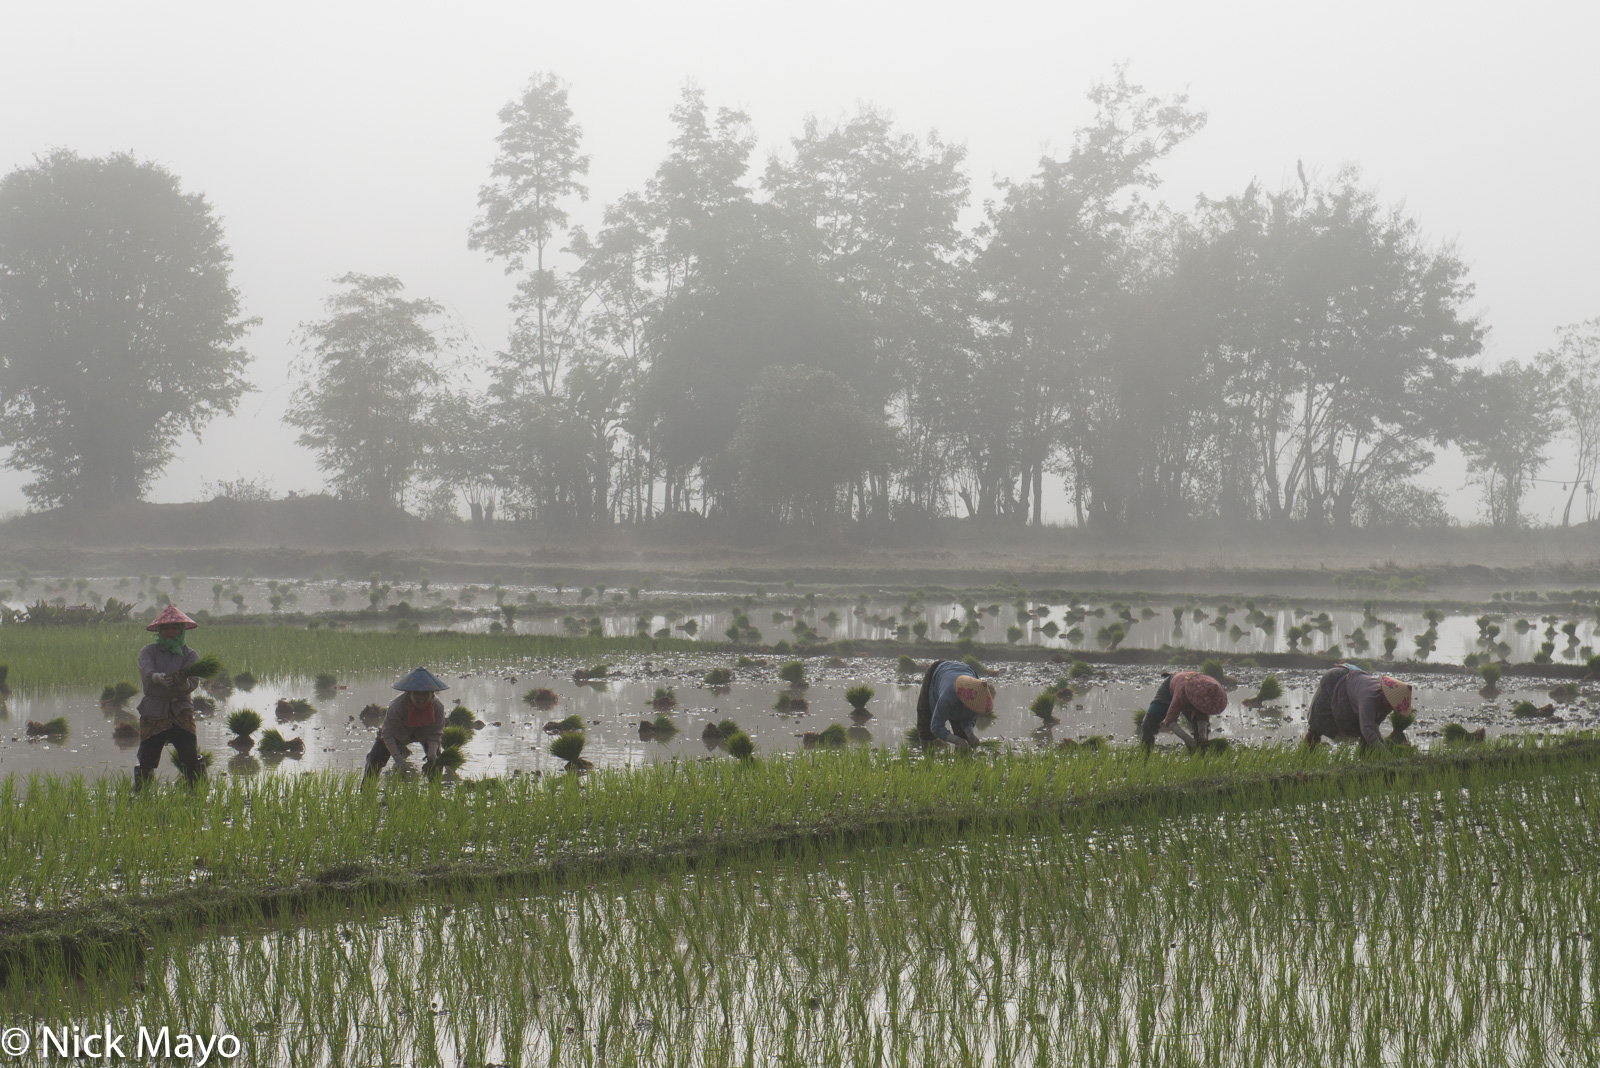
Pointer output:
x,y
339,137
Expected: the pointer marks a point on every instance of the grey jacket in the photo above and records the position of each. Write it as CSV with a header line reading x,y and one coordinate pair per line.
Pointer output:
x,y
161,701
397,735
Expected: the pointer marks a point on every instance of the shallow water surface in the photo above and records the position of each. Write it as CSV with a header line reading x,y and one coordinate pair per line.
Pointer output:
x,y
513,739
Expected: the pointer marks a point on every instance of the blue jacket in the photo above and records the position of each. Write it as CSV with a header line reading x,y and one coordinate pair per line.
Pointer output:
x,y
947,704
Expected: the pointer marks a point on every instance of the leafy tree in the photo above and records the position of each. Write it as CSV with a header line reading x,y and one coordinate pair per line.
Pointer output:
x,y
538,167
802,438
1576,361
1057,253
1344,342
119,323
370,376
1513,427
878,210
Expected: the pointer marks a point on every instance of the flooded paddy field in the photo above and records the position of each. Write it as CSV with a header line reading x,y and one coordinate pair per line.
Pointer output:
x,y
1513,626
513,738
1426,925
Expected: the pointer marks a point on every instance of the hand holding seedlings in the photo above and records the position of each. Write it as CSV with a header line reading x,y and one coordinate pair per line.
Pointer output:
x,y
166,712
950,701
1190,694
1350,703
416,715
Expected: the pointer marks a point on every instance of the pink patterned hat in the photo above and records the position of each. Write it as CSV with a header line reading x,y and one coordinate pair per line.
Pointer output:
x,y
171,614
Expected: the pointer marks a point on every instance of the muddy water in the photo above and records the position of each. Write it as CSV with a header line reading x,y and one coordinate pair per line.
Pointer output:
x,y
513,738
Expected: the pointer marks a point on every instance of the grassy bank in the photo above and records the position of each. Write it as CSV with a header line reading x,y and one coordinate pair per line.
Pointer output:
x,y
95,863
1378,923
55,658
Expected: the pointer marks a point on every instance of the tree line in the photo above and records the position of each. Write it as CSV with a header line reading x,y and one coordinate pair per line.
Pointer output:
x,y
817,341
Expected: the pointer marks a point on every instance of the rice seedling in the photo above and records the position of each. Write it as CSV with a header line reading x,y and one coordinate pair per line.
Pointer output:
x,y
665,699
454,737
272,741
573,722
1456,734
1080,669
244,722
740,746
4,672
541,697
1044,706
450,758
245,681
858,696
295,709
794,673
461,716
717,677
834,735
790,703
1490,673
662,724
1526,709
326,682
1270,690
51,728
118,694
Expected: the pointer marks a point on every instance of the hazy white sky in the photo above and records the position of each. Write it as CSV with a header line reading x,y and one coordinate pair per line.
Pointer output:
x,y
341,136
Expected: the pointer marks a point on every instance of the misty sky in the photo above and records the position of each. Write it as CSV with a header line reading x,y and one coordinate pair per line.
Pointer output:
x,y
338,136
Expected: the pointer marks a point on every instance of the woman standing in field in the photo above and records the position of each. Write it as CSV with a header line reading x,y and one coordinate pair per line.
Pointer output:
x,y
166,713
950,700
415,716
1349,703
1191,694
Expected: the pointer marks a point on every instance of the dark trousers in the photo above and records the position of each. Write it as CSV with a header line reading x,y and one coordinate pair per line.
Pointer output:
x,y
150,753
378,757
962,728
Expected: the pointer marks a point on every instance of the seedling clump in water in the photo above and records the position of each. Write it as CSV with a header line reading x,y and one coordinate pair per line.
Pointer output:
x,y
858,696
542,697
244,722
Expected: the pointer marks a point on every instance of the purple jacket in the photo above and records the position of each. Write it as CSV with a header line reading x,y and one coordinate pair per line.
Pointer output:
x,y
1359,705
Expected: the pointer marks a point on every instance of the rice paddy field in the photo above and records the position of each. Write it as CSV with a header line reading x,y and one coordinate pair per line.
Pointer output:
x,y
1442,916
1055,897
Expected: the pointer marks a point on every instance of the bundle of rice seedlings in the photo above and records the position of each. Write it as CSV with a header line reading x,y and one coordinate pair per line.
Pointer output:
x,y
740,745
718,677
1400,721
455,737
663,725
274,742
728,728
326,682
51,728
573,722
664,699
461,716
206,667
1490,673
244,722
1079,669
568,747
794,673
450,758
1044,706
1456,734
296,709
834,735
905,665
790,703
118,694
541,697
4,671
858,696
